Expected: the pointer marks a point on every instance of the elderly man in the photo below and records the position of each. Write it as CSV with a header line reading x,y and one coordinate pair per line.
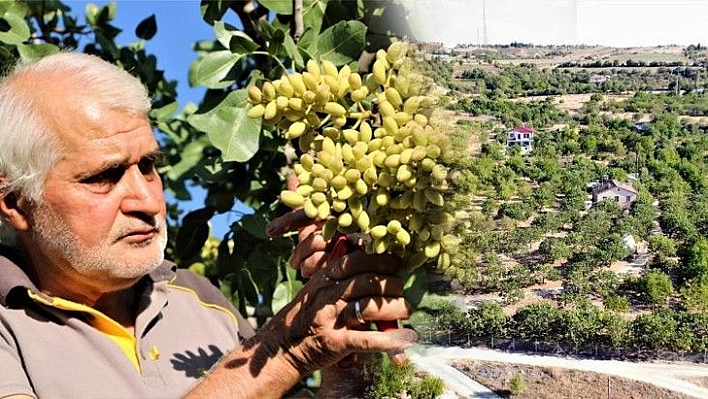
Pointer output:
x,y
91,309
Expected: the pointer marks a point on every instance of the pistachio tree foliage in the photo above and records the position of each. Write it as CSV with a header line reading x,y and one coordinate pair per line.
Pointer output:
x,y
214,144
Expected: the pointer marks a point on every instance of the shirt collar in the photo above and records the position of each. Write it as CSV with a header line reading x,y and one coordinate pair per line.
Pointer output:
x,y
14,280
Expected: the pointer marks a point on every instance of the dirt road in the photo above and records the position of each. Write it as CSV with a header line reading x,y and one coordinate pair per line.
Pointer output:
x,y
671,376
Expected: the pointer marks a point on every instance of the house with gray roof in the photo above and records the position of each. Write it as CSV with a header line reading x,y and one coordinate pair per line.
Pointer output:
x,y
610,189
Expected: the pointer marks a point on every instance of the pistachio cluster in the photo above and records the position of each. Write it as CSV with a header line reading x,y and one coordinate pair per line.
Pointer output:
x,y
370,159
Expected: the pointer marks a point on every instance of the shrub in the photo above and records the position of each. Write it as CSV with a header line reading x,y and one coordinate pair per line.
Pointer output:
x,y
427,388
517,384
388,380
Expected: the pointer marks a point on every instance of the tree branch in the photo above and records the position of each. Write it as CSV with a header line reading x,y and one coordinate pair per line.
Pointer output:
x,y
297,20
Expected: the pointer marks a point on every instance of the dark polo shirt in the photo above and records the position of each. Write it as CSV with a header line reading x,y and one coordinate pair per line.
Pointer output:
x,y
54,348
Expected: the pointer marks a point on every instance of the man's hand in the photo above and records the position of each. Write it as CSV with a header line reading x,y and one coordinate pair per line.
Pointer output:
x,y
321,326
324,324
309,255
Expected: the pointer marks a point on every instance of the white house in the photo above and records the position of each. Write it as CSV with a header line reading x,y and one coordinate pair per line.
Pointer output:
x,y
599,79
521,136
609,189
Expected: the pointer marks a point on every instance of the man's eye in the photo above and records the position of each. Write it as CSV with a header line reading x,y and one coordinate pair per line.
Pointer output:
x,y
107,177
146,166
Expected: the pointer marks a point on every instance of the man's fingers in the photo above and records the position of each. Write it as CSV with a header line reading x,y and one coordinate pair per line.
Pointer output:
x,y
291,221
375,341
292,182
398,357
308,255
358,262
310,229
312,264
371,285
374,309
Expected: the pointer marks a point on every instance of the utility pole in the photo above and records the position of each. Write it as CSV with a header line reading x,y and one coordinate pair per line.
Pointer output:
x,y
609,389
639,177
484,22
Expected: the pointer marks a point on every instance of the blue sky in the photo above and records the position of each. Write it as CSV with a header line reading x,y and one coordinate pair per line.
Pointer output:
x,y
179,26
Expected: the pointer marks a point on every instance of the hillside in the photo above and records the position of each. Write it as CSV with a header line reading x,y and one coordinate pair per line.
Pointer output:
x,y
540,262
543,56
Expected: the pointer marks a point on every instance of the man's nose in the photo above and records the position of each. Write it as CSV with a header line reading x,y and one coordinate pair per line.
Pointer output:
x,y
143,192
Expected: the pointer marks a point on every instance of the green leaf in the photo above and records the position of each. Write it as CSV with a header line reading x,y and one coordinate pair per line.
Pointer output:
x,y
14,17
91,12
248,287
255,225
112,8
286,291
342,43
192,153
313,16
223,32
262,264
234,39
107,43
225,287
241,43
314,12
96,15
283,7
222,201
214,67
275,43
416,286
293,52
214,10
165,112
13,7
193,233
354,10
229,128
5,53
147,28
34,52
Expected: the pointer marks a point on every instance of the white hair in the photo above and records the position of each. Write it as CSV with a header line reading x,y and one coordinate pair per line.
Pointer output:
x,y
28,149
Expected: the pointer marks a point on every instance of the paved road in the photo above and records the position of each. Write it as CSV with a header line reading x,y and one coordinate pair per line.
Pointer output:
x,y
670,376
429,360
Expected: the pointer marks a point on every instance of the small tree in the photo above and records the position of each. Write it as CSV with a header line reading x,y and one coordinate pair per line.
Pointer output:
x,y
695,295
616,303
657,287
656,330
537,321
517,384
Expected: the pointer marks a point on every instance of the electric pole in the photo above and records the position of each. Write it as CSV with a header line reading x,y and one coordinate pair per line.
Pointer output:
x,y
484,22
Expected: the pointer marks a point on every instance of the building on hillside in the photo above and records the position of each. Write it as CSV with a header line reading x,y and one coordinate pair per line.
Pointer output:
x,y
599,79
522,136
610,189
641,127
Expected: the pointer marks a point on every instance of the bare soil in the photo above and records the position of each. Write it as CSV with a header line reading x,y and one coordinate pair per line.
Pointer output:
x,y
558,383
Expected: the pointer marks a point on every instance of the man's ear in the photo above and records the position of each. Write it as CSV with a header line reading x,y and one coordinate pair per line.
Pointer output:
x,y
12,211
